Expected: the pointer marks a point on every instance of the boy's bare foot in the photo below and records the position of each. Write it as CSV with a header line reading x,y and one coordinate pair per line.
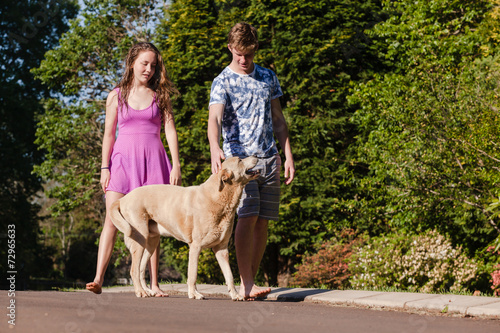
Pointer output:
x,y
259,291
255,292
158,292
94,287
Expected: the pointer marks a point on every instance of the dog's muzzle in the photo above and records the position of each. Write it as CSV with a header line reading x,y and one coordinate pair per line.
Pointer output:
x,y
252,172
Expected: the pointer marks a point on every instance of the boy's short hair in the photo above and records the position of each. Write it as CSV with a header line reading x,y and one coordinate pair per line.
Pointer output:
x,y
243,36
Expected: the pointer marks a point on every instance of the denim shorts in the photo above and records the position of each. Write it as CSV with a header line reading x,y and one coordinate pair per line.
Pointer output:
x,y
261,197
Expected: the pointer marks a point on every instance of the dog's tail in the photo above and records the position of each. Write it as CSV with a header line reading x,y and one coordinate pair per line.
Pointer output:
x,y
118,220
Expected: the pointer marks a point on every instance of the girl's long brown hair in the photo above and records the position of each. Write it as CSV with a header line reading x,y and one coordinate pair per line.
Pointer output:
x,y
159,82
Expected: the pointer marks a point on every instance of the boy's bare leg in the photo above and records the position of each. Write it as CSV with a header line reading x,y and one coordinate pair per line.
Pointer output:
x,y
250,247
106,245
153,272
260,242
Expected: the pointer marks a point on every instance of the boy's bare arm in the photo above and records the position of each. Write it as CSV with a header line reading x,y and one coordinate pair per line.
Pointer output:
x,y
214,131
281,131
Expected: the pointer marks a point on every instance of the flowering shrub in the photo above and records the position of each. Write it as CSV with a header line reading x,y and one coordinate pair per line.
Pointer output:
x,y
495,280
328,267
425,263
495,271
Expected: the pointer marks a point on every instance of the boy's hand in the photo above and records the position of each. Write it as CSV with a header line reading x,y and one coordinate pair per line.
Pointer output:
x,y
217,156
289,171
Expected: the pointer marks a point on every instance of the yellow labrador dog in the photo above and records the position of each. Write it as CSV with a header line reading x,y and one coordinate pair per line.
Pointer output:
x,y
201,216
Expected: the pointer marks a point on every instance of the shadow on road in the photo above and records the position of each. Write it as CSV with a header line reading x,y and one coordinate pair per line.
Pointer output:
x,y
296,295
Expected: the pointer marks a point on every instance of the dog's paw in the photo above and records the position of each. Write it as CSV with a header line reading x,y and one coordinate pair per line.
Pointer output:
x,y
141,293
235,296
196,295
150,292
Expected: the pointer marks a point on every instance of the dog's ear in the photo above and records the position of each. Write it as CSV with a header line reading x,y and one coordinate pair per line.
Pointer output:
x,y
225,177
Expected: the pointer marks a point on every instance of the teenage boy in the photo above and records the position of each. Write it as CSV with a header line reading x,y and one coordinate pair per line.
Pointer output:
x,y
244,104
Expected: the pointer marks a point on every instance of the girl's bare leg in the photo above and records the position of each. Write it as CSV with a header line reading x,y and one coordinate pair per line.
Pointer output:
x,y
106,244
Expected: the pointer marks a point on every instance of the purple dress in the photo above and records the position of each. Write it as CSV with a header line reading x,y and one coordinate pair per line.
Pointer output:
x,y
138,157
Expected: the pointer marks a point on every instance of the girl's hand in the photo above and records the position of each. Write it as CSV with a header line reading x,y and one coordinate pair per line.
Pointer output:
x,y
175,176
105,176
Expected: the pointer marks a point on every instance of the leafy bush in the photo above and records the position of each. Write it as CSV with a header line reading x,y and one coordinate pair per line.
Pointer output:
x,y
495,280
329,266
491,267
425,263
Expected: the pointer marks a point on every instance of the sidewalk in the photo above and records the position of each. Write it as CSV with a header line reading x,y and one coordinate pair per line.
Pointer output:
x,y
475,306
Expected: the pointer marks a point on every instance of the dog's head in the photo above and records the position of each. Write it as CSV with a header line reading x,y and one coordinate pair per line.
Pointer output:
x,y
238,171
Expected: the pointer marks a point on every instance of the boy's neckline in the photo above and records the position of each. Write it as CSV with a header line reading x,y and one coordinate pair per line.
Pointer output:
x,y
249,74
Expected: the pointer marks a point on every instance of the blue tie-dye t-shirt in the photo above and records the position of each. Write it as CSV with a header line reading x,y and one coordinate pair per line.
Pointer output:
x,y
247,125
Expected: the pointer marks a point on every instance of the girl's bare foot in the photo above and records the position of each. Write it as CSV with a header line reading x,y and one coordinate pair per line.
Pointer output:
x,y
158,292
94,287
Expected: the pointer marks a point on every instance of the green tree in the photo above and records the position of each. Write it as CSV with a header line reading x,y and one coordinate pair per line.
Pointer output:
x,y
428,129
192,42
27,30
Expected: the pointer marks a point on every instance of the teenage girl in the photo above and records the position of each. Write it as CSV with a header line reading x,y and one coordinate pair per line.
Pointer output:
x,y
139,105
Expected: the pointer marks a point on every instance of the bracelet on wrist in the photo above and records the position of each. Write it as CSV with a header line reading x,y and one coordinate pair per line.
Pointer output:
x,y
104,168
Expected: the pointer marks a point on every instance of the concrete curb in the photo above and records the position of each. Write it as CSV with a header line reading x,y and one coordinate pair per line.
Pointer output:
x,y
476,306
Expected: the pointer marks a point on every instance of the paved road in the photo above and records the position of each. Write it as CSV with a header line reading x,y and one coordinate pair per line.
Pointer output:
x,y
64,312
